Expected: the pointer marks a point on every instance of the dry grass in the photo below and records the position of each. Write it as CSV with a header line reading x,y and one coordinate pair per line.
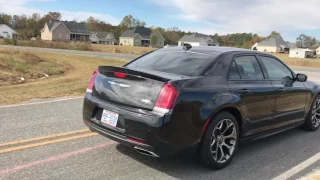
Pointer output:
x,y
15,65
73,83
55,45
312,176
84,47
305,62
122,49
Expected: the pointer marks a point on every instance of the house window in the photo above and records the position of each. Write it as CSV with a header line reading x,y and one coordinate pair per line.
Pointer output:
x,y
67,37
136,41
5,32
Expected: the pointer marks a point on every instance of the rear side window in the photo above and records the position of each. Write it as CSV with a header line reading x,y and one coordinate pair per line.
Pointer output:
x,y
234,73
174,62
248,67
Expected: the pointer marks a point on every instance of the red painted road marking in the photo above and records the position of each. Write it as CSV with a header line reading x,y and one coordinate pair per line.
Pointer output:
x,y
53,158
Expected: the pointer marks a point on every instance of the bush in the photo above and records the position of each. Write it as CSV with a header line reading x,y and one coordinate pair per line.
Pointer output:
x,y
8,41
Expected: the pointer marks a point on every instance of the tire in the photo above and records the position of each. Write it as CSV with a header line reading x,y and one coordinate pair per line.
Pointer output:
x,y
218,126
312,122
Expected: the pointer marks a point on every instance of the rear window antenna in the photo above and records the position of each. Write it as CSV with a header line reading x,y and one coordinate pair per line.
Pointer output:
x,y
187,46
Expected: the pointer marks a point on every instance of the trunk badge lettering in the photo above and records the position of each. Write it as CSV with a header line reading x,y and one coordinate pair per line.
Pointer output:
x,y
146,101
118,84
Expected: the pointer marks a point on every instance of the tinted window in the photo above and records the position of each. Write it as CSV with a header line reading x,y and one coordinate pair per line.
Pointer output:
x,y
174,62
249,67
234,73
275,69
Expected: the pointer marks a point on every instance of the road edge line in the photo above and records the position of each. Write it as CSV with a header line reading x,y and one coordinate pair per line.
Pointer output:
x,y
28,146
44,137
41,102
298,167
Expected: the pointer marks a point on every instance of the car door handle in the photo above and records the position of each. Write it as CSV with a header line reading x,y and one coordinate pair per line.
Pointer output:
x,y
244,91
280,90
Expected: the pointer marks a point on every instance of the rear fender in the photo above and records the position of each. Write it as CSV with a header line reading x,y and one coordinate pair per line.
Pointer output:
x,y
223,101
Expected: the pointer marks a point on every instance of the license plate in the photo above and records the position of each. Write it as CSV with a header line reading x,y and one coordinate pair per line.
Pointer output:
x,y
110,118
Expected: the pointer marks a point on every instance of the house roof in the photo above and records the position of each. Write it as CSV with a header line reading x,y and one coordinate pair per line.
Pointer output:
x,y
2,26
292,45
105,35
196,37
301,49
209,49
155,32
278,42
142,31
72,26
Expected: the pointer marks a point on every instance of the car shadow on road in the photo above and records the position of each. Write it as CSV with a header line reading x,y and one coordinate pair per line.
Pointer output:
x,y
258,155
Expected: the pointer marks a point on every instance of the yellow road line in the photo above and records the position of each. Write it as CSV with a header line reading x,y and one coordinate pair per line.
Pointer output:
x,y
44,137
46,143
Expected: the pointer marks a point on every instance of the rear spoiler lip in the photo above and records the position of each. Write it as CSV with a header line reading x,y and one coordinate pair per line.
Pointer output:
x,y
103,69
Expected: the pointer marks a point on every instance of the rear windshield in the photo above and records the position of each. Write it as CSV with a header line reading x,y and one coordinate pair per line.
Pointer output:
x,y
175,62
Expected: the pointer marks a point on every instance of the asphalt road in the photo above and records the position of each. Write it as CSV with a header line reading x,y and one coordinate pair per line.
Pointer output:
x,y
85,155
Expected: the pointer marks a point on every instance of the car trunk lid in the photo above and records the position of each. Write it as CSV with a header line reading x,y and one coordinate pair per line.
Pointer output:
x,y
130,87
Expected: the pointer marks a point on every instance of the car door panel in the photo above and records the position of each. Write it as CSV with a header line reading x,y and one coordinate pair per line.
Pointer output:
x,y
290,103
290,94
253,94
257,105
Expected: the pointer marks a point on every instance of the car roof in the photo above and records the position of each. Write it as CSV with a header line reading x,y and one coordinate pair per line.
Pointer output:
x,y
208,49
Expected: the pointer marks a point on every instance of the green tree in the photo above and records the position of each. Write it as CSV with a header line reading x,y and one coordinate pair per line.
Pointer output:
x,y
5,19
304,41
130,22
51,16
274,34
172,35
153,40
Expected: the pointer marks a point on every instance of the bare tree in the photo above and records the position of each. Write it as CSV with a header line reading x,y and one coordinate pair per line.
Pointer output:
x,y
304,41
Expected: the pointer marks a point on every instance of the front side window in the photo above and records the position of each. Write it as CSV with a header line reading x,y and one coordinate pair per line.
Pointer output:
x,y
275,69
248,67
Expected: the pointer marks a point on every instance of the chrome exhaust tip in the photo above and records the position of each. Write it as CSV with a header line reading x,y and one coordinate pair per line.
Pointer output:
x,y
145,152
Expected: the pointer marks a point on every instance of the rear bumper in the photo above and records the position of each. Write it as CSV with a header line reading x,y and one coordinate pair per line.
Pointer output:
x,y
120,138
140,125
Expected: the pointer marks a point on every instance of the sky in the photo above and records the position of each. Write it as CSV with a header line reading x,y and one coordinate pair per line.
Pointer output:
x,y
289,17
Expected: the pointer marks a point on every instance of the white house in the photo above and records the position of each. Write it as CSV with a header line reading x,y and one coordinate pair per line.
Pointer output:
x,y
7,32
197,39
254,46
318,52
103,38
300,53
94,38
273,45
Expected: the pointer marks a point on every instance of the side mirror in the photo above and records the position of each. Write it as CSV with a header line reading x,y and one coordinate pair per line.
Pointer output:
x,y
302,77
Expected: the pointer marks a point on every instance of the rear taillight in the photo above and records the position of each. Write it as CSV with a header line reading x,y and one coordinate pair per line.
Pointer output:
x,y
166,99
92,80
120,74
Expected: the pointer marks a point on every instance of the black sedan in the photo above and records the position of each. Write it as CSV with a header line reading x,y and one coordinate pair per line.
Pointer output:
x,y
199,99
